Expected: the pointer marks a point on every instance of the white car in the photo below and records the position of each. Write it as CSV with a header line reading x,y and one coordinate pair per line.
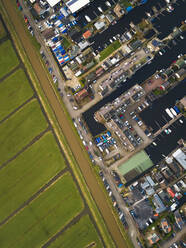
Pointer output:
x,y
90,143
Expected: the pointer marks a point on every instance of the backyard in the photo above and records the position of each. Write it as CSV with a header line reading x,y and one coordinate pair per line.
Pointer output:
x,y
109,50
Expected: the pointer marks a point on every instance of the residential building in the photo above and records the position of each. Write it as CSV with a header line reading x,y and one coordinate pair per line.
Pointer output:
x,y
165,225
153,238
160,207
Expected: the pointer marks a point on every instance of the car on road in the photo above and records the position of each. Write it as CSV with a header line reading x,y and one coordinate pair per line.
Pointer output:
x,y
50,70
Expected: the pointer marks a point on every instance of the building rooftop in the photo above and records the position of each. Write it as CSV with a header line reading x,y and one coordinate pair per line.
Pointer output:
x,y
87,34
52,3
75,5
160,207
180,156
153,238
165,225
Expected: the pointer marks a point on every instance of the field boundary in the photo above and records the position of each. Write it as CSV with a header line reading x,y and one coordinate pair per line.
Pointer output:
x,y
62,140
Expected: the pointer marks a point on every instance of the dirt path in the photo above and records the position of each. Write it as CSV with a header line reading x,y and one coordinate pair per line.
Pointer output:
x,y
73,142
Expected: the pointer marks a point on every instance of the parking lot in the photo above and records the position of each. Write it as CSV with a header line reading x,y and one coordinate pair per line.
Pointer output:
x,y
143,211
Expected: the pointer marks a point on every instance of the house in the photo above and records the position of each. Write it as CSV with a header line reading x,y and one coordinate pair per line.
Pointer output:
x,y
99,25
87,34
48,34
183,103
165,225
164,196
38,9
76,5
81,95
160,207
83,44
153,238
178,219
52,3
180,156
165,85
180,73
135,44
150,181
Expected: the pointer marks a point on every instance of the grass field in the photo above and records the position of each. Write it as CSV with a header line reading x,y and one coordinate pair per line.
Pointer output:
x,y
43,217
24,176
2,30
109,50
66,43
20,129
8,58
83,233
14,91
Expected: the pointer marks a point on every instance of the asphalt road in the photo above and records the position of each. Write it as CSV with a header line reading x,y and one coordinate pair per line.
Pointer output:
x,y
73,142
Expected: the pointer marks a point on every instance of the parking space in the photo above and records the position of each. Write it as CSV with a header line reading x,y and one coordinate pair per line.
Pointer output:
x,y
143,212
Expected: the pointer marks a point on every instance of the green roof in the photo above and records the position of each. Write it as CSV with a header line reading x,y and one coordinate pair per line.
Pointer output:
x,y
139,162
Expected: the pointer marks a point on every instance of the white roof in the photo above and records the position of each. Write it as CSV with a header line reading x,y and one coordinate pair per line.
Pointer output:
x,y
180,157
52,3
75,5
99,25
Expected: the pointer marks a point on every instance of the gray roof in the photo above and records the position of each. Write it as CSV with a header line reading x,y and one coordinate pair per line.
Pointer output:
x,y
160,207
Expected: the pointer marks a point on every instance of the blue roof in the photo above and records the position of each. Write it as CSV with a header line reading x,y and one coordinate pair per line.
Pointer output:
x,y
129,8
155,43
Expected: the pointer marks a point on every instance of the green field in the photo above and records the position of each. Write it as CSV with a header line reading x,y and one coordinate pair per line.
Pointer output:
x,y
20,129
14,91
8,58
2,30
40,220
22,177
109,50
66,43
83,233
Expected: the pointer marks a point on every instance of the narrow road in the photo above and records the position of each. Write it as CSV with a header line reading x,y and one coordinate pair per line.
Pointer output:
x,y
66,128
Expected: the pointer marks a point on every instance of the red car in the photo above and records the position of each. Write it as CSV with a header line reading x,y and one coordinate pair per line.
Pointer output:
x,y
25,18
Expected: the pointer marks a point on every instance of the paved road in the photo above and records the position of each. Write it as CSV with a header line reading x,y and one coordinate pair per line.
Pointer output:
x,y
74,144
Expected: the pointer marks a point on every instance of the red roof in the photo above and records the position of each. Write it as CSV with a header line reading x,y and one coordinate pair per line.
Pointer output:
x,y
171,193
87,34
